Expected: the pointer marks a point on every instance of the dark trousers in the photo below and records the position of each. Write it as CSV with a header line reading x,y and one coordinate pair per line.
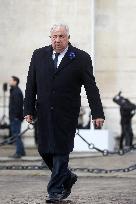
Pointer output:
x,y
127,135
15,125
58,164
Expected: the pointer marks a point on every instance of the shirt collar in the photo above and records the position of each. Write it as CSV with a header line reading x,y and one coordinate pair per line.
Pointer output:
x,y
63,52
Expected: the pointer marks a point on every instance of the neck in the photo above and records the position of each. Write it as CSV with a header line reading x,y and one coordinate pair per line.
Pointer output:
x,y
13,86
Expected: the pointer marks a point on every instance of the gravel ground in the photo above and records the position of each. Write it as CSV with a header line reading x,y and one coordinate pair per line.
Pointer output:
x,y
31,189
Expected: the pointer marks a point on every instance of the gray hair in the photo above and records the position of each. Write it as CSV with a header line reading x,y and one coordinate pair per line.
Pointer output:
x,y
54,27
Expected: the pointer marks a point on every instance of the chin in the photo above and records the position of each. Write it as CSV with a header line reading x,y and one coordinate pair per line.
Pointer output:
x,y
58,50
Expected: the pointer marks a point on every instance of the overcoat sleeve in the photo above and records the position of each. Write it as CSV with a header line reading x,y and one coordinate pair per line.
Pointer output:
x,y
92,90
31,90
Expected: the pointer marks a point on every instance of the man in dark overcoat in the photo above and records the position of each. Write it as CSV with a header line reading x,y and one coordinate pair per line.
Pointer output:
x,y
56,75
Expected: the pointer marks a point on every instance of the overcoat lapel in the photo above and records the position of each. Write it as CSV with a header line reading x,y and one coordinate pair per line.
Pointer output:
x,y
48,61
66,60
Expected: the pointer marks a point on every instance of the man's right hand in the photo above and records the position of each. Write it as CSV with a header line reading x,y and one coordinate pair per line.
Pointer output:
x,y
29,118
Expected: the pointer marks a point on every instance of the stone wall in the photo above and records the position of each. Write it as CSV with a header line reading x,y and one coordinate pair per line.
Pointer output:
x,y
25,25
115,54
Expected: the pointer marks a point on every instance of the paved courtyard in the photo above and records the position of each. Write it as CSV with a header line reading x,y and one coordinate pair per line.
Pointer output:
x,y
29,186
31,189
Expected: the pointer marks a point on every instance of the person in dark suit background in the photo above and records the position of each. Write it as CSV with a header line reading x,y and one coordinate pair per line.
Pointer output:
x,y
55,77
16,115
126,127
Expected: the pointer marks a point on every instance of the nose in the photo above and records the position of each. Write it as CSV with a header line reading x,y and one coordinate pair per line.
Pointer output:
x,y
58,39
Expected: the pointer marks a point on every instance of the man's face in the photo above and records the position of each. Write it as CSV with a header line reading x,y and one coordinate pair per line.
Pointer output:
x,y
12,82
59,39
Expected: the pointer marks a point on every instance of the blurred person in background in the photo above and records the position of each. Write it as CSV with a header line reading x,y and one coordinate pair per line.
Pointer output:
x,y
126,127
81,118
16,115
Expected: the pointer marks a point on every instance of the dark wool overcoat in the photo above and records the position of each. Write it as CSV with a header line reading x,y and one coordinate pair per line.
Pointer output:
x,y
58,96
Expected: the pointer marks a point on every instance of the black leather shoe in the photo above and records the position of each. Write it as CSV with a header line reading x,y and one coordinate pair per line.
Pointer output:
x,y
54,198
68,185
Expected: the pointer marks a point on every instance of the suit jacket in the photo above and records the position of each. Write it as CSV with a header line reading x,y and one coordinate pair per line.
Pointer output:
x,y
58,96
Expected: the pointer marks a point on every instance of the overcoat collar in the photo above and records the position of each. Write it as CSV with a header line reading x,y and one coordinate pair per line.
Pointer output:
x,y
67,59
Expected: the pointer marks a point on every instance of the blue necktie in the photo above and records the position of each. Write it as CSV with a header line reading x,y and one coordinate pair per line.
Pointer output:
x,y
56,60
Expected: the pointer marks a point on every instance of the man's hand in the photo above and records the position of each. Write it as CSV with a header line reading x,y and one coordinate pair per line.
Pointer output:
x,y
29,118
98,123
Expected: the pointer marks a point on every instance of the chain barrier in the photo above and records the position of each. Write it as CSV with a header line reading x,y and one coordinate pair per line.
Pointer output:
x,y
84,170
106,152
91,146
13,138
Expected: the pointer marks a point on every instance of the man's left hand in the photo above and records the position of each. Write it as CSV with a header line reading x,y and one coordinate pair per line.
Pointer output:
x,y
98,123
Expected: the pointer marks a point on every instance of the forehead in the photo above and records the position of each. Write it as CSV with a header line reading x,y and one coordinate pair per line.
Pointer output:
x,y
59,31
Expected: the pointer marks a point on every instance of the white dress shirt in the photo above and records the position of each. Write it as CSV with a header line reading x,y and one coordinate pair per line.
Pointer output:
x,y
60,57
